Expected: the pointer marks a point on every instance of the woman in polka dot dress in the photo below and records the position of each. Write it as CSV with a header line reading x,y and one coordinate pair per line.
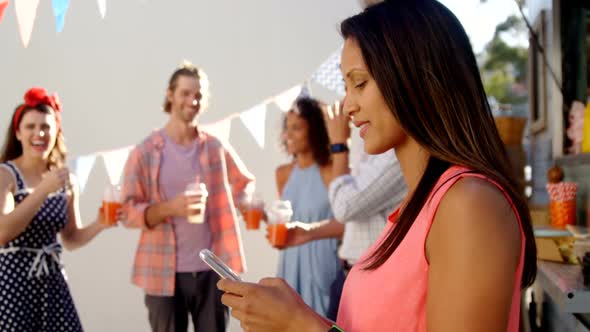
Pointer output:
x,y
38,199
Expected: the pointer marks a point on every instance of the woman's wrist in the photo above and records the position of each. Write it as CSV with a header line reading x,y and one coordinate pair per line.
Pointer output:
x,y
310,321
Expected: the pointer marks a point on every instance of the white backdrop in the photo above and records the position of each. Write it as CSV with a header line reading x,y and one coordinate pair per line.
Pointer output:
x,y
111,74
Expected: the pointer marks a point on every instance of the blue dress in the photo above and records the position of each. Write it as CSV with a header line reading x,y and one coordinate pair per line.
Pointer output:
x,y
34,294
312,267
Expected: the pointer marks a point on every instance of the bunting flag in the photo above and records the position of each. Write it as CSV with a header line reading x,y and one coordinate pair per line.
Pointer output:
x,y
329,75
26,12
60,7
255,120
305,90
82,167
286,98
114,162
102,7
219,129
3,5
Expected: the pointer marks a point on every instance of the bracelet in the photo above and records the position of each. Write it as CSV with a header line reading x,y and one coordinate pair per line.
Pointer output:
x,y
335,328
338,148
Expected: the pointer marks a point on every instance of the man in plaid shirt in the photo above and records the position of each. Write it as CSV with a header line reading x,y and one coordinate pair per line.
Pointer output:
x,y
167,264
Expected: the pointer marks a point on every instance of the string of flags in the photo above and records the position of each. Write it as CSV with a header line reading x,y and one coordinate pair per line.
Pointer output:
x,y
60,8
328,74
253,118
102,7
3,5
26,14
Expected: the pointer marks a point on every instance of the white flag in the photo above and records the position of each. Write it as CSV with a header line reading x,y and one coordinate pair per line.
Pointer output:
x,y
82,167
102,7
219,129
114,162
26,13
255,120
285,100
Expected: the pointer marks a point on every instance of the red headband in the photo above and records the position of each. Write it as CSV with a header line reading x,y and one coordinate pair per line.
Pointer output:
x,y
35,97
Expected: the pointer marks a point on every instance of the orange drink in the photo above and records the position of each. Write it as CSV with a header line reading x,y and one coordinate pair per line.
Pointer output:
x,y
111,203
277,234
110,212
252,216
279,214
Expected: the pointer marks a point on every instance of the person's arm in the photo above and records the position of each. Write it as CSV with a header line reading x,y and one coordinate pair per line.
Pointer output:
x,y
338,126
74,235
379,186
15,219
134,193
139,212
270,305
299,233
473,249
340,163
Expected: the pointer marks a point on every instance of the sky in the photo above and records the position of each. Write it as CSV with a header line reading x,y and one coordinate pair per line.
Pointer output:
x,y
480,19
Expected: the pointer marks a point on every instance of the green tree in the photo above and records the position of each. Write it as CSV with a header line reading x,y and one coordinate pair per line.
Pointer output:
x,y
504,67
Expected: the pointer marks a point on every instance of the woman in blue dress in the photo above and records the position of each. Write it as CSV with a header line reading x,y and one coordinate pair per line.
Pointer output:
x,y
312,267
38,200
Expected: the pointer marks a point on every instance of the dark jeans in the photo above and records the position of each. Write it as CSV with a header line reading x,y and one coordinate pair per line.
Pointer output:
x,y
196,293
336,293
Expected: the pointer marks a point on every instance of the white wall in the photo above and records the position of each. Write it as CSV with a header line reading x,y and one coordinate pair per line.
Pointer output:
x,y
111,75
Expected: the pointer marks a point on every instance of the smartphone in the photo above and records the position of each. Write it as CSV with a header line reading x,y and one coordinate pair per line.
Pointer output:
x,y
218,266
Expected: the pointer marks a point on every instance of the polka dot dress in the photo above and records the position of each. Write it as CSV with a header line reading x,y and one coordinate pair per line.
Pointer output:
x,y
29,302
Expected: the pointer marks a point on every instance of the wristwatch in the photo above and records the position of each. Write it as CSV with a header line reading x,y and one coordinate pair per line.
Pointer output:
x,y
335,328
338,148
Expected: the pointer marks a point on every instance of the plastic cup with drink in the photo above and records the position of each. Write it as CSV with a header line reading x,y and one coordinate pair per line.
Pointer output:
x,y
253,211
279,214
197,190
562,203
111,203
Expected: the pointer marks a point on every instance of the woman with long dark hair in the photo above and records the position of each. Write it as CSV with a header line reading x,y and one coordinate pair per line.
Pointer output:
x,y
458,251
38,199
309,268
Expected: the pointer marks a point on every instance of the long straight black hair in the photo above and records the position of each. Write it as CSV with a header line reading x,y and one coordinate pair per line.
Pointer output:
x,y
424,66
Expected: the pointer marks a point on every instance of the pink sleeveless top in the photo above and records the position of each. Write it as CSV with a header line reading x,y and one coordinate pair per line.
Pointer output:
x,y
393,297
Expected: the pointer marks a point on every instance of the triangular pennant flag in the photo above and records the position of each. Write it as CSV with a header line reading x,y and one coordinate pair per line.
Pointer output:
x,y
60,21
329,75
305,90
102,7
3,5
114,161
285,100
60,7
26,12
82,167
219,129
255,120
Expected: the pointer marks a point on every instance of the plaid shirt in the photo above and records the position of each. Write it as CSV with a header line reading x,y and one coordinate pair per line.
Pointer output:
x,y
227,180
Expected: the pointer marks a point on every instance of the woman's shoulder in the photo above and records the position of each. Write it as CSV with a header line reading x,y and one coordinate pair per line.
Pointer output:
x,y
479,211
284,170
282,174
478,196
